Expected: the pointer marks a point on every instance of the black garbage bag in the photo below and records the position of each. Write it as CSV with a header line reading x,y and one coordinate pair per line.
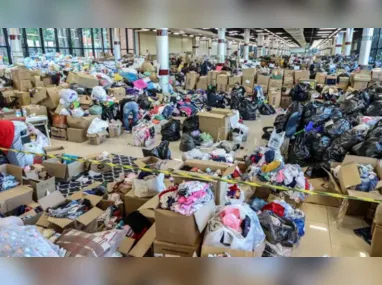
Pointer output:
x,y
311,109
6,82
300,92
191,124
375,109
338,128
266,109
280,122
353,104
364,94
162,151
318,144
334,153
336,114
187,143
375,93
110,113
248,110
278,230
301,151
376,132
348,139
372,147
294,119
320,118
171,131
144,102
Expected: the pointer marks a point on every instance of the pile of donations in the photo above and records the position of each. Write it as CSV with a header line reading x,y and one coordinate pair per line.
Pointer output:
x,y
326,137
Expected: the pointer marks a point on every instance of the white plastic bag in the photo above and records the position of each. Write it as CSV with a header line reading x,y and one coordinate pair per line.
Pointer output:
x,y
97,126
219,235
147,188
276,140
78,112
99,93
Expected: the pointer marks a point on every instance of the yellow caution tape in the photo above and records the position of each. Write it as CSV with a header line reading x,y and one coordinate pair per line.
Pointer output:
x,y
203,177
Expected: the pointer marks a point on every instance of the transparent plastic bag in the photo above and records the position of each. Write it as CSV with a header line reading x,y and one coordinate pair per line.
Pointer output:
x,y
147,188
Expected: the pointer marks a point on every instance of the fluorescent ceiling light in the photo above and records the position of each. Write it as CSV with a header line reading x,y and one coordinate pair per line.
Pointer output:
x,y
327,28
279,33
259,31
176,33
144,30
205,28
191,36
154,30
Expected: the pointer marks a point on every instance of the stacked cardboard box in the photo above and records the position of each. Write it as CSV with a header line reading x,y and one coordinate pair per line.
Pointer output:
x,y
288,80
21,79
321,77
216,123
233,80
263,81
191,80
301,75
249,76
212,77
82,79
77,131
376,75
360,80
222,83
274,96
202,83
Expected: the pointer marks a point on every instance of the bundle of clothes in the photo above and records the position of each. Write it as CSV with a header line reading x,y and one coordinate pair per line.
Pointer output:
x,y
369,178
7,182
187,197
70,209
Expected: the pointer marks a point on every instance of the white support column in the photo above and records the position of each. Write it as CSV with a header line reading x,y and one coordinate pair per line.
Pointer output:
x,y
271,45
195,45
266,45
246,44
276,47
364,53
209,47
163,59
339,42
348,41
260,43
15,43
136,43
229,47
221,45
116,44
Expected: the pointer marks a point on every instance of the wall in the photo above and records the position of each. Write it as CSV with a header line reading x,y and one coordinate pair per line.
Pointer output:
x,y
297,50
177,44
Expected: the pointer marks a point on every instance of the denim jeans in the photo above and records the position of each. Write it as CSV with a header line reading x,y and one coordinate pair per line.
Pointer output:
x,y
128,108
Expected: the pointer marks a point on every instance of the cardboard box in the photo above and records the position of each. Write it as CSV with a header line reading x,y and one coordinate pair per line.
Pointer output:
x,y
263,80
288,73
249,72
285,101
248,81
87,80
31,217
206,250
85,101
37,110
38,94
213,74
53,99
264,87
47,80
133,203
9,95
166,249
324,185
118,92
81,122
115,129
96,139
36,81
343,85
301,74
175,228
321,77
275,83
23,84
234,79
23,98
274,97
13,170
147,161
217,125
202,83
77,135
86,222
191,80
376,74
222,79
56,167
221,88
54,150
15,197
20,74
221,187
99,168
58,134
42,187
360,85
288,80
277,73
376,242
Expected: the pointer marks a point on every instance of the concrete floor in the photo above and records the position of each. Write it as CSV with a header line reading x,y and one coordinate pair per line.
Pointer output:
x,y
322,237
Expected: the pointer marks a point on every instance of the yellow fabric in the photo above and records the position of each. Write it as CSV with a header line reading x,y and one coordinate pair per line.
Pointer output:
x,y
271,166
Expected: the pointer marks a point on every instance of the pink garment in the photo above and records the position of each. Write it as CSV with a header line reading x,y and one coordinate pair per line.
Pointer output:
x,y
140,84
231,218
193,198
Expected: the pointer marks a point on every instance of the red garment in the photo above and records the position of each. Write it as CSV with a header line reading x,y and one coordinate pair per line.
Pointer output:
x,y
275,208
7,133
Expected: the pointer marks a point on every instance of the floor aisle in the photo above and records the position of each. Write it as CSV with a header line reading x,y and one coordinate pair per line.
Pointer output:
x,y
322,237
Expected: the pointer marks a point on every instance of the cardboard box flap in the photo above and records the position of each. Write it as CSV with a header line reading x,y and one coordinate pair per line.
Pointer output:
x,y
94,200
52,200
203,215
142,162
16,171
54,167
126,245
89,216
229,170
349,175
372,194
360,160
62,223
144,244
148,209
206,250
43,221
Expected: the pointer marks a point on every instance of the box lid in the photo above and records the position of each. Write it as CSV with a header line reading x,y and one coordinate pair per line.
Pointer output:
x,y
52,200
144,244
203,215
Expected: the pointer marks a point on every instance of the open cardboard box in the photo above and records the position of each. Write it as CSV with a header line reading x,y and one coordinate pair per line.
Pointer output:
x,y
15,197
166,249
129,246
56,167
216,124
54,150
219,188
80,122
40,187
31,217
170,164
99,168
86,222
206,250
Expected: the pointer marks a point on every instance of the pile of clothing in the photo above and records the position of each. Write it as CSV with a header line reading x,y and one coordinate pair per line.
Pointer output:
x,y
144,134
236,227
7,182
234,195
282,225
187,197
70,209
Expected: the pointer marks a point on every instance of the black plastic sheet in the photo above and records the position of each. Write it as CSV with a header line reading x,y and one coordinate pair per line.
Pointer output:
x,y
171,131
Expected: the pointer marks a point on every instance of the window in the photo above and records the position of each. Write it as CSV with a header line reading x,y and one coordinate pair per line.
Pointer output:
x,y
123,40
106,40
4,47
87,42
49,36
63,42
33,41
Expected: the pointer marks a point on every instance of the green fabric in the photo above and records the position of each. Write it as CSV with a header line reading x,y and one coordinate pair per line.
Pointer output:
x,y
159,117
206,137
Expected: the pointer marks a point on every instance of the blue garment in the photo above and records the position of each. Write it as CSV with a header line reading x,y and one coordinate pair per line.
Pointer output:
x,y
128,108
